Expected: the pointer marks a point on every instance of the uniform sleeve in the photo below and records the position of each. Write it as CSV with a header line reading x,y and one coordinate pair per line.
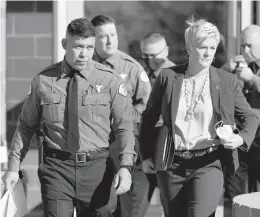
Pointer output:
x,y
142,93
150,117
248,121
123,123
28,122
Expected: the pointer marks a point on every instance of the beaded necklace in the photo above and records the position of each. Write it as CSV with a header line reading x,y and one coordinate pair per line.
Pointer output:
x,y
194,100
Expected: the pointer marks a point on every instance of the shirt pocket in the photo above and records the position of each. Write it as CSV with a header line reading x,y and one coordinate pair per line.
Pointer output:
x,y
97,106
53,106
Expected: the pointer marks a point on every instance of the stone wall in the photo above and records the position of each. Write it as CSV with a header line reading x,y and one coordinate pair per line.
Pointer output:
x,y
29,50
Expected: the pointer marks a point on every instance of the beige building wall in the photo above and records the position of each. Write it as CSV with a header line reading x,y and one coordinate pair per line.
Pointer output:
x,y
3,145
28,51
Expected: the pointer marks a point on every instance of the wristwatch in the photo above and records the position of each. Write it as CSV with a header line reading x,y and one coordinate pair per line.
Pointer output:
x,y
129,167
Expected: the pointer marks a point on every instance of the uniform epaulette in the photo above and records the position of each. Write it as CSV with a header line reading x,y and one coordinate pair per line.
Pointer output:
x,y
53,66
103,67
129,58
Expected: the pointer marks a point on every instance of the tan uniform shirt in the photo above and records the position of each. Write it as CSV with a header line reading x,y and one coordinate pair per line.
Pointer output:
x,y
135,78
102,96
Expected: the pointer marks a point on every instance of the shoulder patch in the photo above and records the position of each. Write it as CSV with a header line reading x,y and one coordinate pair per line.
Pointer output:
x,y
129,58
144,77
122,89
49,67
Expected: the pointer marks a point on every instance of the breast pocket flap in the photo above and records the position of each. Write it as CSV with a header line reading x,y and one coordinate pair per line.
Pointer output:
x,y
51,99
96,100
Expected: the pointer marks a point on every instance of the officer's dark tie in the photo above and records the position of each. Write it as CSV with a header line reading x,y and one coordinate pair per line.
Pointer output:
x,y
73,120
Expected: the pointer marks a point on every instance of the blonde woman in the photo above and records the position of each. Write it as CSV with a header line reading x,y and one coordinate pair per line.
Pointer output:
x,y
192,99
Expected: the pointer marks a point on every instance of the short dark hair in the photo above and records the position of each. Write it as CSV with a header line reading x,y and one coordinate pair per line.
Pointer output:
x,y
102,20
154,37
81,27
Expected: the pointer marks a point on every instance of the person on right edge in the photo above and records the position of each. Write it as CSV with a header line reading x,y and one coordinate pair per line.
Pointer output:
x,y
193,98
246,67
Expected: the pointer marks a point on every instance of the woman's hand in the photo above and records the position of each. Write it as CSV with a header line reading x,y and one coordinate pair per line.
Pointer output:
x,y
232,142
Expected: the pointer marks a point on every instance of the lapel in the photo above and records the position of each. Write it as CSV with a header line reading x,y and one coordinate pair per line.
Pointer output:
x,y
176,92
215,91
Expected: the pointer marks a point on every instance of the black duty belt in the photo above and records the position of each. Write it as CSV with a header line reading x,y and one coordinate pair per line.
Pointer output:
x,y
79,157
194,154
194,159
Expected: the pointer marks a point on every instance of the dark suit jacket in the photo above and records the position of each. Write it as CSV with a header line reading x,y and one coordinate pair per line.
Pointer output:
x,y
227,99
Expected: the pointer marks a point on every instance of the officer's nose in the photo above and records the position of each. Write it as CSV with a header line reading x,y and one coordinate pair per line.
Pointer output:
x,y
108,40
83,53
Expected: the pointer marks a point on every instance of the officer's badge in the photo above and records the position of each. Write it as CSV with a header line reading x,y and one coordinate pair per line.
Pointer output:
x,y
122,90
123,76
98,88
144,77
30,90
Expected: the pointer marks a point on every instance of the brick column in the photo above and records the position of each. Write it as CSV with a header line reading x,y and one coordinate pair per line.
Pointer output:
x,y
233,28
3,144
63,13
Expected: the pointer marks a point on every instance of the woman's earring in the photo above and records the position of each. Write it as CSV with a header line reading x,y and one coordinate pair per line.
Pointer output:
x,y
186,56
213,59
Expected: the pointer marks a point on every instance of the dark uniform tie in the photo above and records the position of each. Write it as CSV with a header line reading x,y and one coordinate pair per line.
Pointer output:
x,y
73,119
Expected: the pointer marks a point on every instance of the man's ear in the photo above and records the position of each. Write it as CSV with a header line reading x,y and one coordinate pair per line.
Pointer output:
x,y
64,43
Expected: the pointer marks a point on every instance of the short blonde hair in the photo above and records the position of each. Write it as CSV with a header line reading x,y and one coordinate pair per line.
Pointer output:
x,y
198,31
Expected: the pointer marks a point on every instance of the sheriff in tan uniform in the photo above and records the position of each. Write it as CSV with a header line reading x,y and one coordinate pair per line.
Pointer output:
x,y
74,101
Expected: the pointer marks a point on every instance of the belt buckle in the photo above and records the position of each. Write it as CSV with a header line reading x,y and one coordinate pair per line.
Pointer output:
x,y
187,155
81,157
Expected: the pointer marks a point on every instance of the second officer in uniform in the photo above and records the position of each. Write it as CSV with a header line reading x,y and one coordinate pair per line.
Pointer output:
x,y
138,88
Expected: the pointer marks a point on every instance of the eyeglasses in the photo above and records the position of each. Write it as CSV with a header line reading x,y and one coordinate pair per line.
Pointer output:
x,y
152,56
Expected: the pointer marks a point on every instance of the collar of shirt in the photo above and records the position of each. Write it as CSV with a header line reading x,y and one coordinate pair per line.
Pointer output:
x,y
66,69
111,61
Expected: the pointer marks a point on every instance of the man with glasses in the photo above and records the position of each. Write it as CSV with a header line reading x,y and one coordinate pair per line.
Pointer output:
x,y
155,54
131,204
